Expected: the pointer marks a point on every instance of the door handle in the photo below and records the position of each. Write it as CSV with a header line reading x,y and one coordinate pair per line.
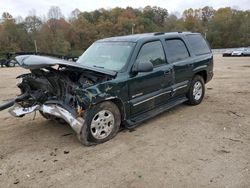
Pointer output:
x,y
167,72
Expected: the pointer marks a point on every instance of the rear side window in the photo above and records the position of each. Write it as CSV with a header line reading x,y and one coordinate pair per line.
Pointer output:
x,y
153,52
198,44
176,50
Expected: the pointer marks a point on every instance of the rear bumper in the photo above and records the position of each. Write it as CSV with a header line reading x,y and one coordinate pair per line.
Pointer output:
x,y
75,122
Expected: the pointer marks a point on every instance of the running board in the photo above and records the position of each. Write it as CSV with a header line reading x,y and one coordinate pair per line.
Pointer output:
x,y
131,123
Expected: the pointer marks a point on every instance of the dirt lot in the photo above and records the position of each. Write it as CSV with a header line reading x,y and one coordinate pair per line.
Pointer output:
x,y
202,146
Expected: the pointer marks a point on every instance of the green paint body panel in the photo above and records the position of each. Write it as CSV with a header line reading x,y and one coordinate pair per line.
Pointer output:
x,y
145,91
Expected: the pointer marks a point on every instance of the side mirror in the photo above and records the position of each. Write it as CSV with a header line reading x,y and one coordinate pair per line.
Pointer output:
x,y
143,67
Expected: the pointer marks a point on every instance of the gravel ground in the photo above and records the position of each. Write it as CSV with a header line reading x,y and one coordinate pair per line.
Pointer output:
x,y
200,146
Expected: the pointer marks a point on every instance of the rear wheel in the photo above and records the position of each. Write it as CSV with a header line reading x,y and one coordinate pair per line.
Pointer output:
x,y
102,122
196,91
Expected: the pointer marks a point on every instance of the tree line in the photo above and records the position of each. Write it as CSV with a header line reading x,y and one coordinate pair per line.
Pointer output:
x,y
223,28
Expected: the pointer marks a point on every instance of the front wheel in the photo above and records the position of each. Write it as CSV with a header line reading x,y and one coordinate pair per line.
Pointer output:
x,y
196,91
102,122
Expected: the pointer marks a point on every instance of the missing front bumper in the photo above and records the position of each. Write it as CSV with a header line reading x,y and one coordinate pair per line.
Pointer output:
x,y
75,122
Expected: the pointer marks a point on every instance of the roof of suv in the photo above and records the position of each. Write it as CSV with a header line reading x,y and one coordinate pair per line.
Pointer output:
x,y
143,36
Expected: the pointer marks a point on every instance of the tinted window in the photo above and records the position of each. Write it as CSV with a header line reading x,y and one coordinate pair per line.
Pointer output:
x,y
153,52
198,44
176,50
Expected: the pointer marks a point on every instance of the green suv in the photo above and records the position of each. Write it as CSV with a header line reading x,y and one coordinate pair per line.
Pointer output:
x,y
117,81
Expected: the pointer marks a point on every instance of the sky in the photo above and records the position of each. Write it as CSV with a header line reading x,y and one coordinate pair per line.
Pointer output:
x,y
25,7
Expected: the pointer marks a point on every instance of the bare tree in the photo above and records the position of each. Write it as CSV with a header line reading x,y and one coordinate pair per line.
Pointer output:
x,y
32,23
75,13
55,13
7,16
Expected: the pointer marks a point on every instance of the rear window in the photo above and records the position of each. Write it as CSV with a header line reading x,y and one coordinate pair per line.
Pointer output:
x,y
198,44
176,50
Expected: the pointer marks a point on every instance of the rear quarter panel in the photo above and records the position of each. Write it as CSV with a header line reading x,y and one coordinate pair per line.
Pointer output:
x,y
202,62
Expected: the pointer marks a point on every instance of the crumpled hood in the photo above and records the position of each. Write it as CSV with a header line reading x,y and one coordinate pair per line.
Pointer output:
x,y
37,62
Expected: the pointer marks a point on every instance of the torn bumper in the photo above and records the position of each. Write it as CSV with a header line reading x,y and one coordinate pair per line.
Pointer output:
x,y
75,122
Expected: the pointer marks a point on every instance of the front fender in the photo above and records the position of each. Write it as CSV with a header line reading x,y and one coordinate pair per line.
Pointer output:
x,y
103,92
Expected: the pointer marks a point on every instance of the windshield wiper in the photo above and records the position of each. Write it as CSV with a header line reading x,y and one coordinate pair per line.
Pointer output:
x,y
98,66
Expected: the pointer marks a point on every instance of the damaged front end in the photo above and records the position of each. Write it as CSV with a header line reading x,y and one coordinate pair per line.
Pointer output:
x,y
52,110
55,88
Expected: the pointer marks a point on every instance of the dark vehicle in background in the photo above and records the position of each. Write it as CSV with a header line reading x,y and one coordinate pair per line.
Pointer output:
x,y
7,60
8,63
117,81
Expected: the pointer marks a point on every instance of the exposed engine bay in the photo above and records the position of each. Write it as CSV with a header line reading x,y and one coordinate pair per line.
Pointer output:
x,y
57,86
57,89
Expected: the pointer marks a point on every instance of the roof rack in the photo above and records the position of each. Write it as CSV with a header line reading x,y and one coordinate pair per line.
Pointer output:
x,y
159,33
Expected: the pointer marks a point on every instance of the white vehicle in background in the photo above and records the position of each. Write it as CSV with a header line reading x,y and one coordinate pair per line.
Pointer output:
x,y
246,52
241,52
227,53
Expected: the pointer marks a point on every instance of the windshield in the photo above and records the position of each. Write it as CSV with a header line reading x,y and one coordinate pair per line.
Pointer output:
x,y
107,55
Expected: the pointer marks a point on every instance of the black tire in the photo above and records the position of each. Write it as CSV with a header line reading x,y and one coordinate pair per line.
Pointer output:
x,y
11,64
87,136
192,98
2,62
